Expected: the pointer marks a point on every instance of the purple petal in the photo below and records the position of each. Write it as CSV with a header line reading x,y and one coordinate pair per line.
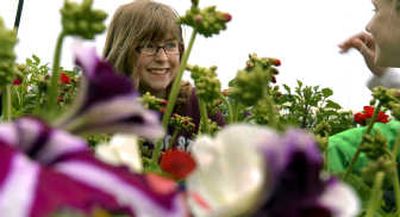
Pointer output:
x,y
63,173
56,192
120,115
18,182
105,85
298,185
86,57
130,190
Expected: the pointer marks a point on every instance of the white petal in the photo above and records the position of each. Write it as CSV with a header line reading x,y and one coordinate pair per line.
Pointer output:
x,y
341,199
122,150
231,170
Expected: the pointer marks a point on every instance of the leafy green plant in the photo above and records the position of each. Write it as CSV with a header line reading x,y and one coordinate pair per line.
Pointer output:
x,y
310,107
31,84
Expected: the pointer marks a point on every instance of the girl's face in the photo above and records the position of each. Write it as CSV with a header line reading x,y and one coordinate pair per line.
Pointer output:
x,y
157,64
385,29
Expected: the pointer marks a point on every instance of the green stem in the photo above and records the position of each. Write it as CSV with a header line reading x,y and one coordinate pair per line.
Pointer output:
x,y
174,93
230,110
173,138
326,156
376,196
203,117
235,112
53,89
395,178
273,114
157,150
7,106
358,151
176,85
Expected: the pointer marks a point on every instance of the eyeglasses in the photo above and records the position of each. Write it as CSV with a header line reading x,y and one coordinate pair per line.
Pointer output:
x,y
152,49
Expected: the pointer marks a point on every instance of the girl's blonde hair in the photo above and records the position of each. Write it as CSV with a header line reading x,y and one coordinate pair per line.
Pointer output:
x,y
135,24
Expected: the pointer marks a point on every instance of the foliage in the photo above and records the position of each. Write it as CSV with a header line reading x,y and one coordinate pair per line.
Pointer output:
x,y
31,84
310,107
253,97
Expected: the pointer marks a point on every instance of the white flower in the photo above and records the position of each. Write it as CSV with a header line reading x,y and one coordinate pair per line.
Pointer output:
x,y
122,150
231,171
341,200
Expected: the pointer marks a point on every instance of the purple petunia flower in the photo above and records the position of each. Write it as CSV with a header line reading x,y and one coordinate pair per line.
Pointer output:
x,y
45,170
107,102
299,190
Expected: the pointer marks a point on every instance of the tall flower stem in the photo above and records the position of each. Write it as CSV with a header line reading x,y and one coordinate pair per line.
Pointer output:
x,y
203,117
395,178
230,110
53,89
235,111
376,195
7,107
273,114
358,151
176,85
175,91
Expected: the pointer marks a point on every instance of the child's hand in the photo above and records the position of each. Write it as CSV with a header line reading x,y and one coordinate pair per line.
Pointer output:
x,y
364,43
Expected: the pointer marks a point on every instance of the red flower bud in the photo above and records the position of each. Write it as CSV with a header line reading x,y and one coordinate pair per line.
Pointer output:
x,y
276,62
163,102
226,17
382,117
273,79
360,118
17,81
163,109
369,111
64,78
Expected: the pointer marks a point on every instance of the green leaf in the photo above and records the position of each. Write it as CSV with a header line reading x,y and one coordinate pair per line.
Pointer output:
x,y
327,92
332,104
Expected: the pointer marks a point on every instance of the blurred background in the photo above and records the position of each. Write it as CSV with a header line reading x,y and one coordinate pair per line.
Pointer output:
x,y
303,34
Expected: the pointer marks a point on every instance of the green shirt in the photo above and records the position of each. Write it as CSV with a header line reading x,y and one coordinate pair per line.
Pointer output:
x,y
342,146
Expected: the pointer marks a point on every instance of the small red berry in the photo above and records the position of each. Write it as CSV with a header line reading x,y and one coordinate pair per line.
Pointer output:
x,y
17,81
64,78
276,62
227,17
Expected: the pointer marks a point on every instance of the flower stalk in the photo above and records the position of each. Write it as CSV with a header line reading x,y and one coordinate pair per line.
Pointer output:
x,y
395,178
53,89
358,151
7,105
176,85
203,117
376,195
174,94
230,109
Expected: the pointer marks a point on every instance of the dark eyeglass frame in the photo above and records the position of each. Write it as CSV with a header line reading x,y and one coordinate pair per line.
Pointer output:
x,y
154,50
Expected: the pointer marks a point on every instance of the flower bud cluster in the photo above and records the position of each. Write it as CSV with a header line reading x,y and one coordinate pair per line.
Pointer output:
x,y
7,55
389,98
207,21
151,102
182,123
208,86
250,84
383,164
81,20
374,145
